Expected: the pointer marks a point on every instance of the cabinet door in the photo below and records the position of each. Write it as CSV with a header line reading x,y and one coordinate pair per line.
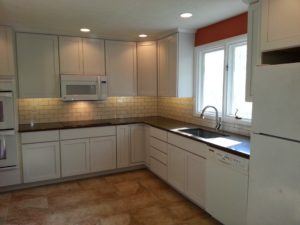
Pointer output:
x,y
167,66
163,67
176,167
137,144
147,145
38,69
103,153
253,46
75,157
40,161
123,146
121,68
147,68
280,24
70,55
7,62
93,56
173,65
195,178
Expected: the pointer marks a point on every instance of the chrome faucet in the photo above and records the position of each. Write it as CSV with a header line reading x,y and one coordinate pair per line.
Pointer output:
x,y
218,119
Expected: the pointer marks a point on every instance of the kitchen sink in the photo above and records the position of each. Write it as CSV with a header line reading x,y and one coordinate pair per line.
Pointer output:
x,y
202,133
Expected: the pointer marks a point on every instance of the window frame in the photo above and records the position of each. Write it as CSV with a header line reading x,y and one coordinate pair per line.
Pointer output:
x,y
198,77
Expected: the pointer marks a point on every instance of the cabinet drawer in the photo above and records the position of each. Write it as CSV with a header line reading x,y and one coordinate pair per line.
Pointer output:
x,y
87,132
158,144
160,134
158,168
40,136
195,147
160,156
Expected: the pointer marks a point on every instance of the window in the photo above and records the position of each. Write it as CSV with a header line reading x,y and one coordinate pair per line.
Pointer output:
x,y
221,78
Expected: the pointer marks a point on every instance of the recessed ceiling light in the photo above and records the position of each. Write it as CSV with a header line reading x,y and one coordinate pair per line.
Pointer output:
x,y
186,15
85,30
143,35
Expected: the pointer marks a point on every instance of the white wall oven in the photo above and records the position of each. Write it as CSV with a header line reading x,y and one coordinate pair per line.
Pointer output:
x,y
8,142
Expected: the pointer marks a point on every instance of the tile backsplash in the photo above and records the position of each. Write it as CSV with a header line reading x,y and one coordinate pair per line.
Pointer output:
x,y
183,109
45,110
54,110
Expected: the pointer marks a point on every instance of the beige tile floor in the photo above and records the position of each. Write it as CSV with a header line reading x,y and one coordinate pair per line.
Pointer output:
x,y
132,198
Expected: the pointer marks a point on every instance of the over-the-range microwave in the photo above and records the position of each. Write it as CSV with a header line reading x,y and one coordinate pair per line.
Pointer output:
x,y
82,87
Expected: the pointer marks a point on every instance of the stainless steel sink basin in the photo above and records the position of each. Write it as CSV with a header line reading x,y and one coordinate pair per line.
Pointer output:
x,y
202,133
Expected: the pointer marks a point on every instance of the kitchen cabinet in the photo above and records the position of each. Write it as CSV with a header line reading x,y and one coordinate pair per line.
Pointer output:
x,y
10,176
130,145
7,58
253,46
38,66
40,155
147,68
123,146
41,161
159,153
103,153
195,178
137,147
93,56
147,145
75,157
280,24
187,167
121,68
81,56
176,167
175,65
70,55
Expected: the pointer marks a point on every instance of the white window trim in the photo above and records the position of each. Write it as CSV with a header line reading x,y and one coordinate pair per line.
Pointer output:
x,y
222,44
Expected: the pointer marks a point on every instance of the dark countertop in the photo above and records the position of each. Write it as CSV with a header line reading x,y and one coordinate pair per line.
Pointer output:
x,y
233,143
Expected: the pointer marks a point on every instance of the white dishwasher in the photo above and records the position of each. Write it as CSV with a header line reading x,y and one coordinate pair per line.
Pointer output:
x,y
226,187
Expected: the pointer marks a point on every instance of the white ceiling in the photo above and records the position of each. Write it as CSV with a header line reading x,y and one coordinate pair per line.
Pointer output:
x,y
115,19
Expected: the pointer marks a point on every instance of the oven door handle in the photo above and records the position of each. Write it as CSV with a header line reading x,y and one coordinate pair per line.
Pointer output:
x,y
3,149
7,132
6,94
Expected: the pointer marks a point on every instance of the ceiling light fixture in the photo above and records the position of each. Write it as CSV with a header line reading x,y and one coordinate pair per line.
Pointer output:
x,y
186,15
143,35
85,30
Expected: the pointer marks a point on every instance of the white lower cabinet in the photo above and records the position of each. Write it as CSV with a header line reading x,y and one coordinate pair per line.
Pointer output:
x,y
75,157
187,167
195,178
130,145
41,161
137,144
103,153
176,167
123,146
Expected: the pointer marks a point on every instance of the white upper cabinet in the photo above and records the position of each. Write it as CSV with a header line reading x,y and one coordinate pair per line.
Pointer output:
x,y
253,46
121,68
147,68
38,67
175,65
93,57
7,61
70,55
280,24
81,56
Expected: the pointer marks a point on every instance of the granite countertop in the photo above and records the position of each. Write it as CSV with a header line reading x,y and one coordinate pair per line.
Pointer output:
x,y
232,143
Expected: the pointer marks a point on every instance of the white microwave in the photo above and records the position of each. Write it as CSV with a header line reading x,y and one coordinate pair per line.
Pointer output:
x,y
81,87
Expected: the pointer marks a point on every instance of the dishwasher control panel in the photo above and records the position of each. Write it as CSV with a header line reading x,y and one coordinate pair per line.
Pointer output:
x,y
229,160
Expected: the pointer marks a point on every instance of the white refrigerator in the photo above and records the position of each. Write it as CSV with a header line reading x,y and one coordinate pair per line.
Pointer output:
x,y
274,176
